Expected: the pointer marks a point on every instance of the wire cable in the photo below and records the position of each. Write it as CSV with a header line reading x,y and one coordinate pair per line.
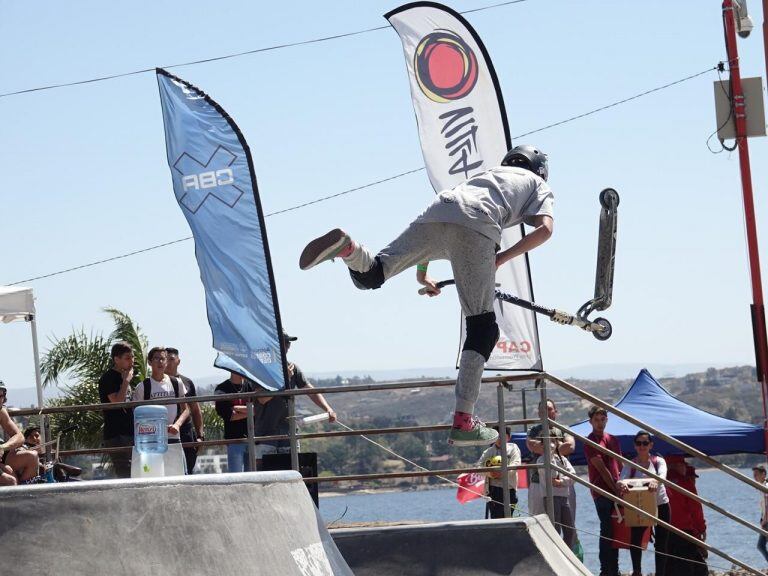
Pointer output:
x,y
232,55
624,101
370,184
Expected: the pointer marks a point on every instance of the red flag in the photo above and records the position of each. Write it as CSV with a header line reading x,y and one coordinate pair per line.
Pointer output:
x,y
471,486
522,478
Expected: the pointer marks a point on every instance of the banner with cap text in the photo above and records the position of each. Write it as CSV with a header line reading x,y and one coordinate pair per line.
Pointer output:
x,y
215,187
463,131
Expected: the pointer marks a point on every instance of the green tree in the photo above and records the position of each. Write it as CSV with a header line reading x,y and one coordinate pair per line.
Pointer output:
x,y
82,358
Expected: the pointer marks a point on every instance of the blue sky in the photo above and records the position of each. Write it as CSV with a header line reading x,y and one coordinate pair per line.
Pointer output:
x,y
85,174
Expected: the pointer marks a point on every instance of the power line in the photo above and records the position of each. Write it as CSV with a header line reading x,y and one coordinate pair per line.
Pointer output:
x,y
233,55
624,101
377,182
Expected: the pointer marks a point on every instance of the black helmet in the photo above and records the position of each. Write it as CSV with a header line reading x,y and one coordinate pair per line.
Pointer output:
x,y
528,157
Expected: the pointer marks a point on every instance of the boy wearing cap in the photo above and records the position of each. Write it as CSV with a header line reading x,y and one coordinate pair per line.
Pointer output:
x,y
272,412
759,474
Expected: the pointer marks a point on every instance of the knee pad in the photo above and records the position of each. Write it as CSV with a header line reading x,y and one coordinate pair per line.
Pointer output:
x,y
370,280
482,334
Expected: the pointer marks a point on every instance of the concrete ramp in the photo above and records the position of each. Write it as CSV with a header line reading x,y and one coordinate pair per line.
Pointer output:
x,y
515,547
261,523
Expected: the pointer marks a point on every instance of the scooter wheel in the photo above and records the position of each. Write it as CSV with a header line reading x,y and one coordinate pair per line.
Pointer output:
x,y
606,329
609,199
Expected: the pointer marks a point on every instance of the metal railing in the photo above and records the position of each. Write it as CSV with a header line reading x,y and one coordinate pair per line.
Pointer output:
x,y
504,383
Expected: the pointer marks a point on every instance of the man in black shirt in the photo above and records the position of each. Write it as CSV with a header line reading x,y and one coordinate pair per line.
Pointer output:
x,y
187,433
272,412
115,386
235,416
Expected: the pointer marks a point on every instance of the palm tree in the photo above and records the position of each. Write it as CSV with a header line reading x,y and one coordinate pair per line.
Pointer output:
x,y
83,358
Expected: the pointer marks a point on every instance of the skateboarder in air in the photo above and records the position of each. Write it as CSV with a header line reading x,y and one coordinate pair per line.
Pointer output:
x,y
462,225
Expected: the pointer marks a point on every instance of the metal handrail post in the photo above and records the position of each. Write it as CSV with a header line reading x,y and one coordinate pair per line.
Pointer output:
x,y
525,410
503,449
549,501
292,433
251,435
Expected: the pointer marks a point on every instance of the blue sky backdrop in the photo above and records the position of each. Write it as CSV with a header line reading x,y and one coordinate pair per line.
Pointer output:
x,y
85,174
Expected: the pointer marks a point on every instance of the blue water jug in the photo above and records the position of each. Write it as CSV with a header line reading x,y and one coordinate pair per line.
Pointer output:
x,y
150,427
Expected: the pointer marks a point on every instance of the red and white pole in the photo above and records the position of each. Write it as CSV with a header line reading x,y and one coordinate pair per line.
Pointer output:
x,y
740,120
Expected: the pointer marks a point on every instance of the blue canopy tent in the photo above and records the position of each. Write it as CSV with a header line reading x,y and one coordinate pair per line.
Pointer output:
x,y
648,401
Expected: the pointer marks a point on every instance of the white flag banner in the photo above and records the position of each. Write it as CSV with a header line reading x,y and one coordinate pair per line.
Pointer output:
x,y
463,130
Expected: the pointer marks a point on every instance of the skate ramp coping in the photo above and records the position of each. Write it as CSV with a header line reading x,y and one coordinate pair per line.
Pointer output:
x,y
511,547
206,525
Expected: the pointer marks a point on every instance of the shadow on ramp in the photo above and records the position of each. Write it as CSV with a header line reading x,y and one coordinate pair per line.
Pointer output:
x,y
260,523
514,547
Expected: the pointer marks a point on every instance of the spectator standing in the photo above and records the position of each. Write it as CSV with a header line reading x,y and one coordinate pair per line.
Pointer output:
x,y
657,465
160,385
495,485
686,514
192,428
17,466
759,474
534,443
565,518
235,416
604,472
272,412
115,387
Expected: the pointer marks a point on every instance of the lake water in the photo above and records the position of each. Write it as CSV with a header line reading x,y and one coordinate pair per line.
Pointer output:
x,y
441,505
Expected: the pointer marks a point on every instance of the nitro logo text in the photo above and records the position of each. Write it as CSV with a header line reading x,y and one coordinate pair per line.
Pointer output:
x,y
460,133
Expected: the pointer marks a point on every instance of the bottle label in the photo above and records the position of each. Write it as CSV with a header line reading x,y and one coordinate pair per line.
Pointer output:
x,y
147,429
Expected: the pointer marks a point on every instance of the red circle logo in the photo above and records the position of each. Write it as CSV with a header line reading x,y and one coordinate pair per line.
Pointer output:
x,y
445,66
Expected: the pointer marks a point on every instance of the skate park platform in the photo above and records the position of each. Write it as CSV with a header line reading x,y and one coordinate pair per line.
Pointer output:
x,y
261,523
511,547
250,523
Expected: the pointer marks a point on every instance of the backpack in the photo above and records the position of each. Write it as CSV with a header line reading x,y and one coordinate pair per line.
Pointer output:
x,y
148,387
654,461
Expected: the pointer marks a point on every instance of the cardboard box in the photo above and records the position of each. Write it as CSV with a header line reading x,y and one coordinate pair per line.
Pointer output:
x,y
640,496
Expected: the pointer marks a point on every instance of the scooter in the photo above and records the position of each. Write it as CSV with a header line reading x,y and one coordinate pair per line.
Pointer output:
x,y
606,255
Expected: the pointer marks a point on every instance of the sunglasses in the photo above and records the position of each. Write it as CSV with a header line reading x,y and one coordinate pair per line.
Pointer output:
x,y
642,443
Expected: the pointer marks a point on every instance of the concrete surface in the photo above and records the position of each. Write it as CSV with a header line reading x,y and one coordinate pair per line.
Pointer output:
x,y
515,547
261,523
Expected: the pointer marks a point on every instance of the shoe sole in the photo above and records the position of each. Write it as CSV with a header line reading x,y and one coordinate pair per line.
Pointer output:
x,y
461,443
323,248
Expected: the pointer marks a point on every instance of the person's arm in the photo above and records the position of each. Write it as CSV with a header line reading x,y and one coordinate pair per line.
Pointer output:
x,y
121,394
197,420
514,460
423,278
181,417
594,459
544,225
320,401
532,441
568,445
11,431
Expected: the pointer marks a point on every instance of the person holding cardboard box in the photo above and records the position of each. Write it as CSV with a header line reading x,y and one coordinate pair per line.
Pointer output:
x,y
657,465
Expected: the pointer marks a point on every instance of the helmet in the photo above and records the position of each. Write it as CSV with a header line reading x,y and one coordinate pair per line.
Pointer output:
x,y
528,157
2,386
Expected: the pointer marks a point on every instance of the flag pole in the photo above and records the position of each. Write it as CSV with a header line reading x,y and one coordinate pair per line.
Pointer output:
x,y
740,121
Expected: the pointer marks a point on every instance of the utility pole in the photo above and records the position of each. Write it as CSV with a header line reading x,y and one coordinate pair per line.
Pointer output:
x,y
734,22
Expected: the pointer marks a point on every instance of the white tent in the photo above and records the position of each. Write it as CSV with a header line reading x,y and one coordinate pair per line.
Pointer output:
x,y
17,303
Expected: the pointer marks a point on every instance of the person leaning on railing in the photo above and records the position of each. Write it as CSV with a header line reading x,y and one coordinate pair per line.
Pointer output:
x,y
604,472
686,514
535,444
115,387
656,464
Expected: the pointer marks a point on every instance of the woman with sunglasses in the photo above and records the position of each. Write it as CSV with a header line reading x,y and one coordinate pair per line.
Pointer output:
x,y
656,464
